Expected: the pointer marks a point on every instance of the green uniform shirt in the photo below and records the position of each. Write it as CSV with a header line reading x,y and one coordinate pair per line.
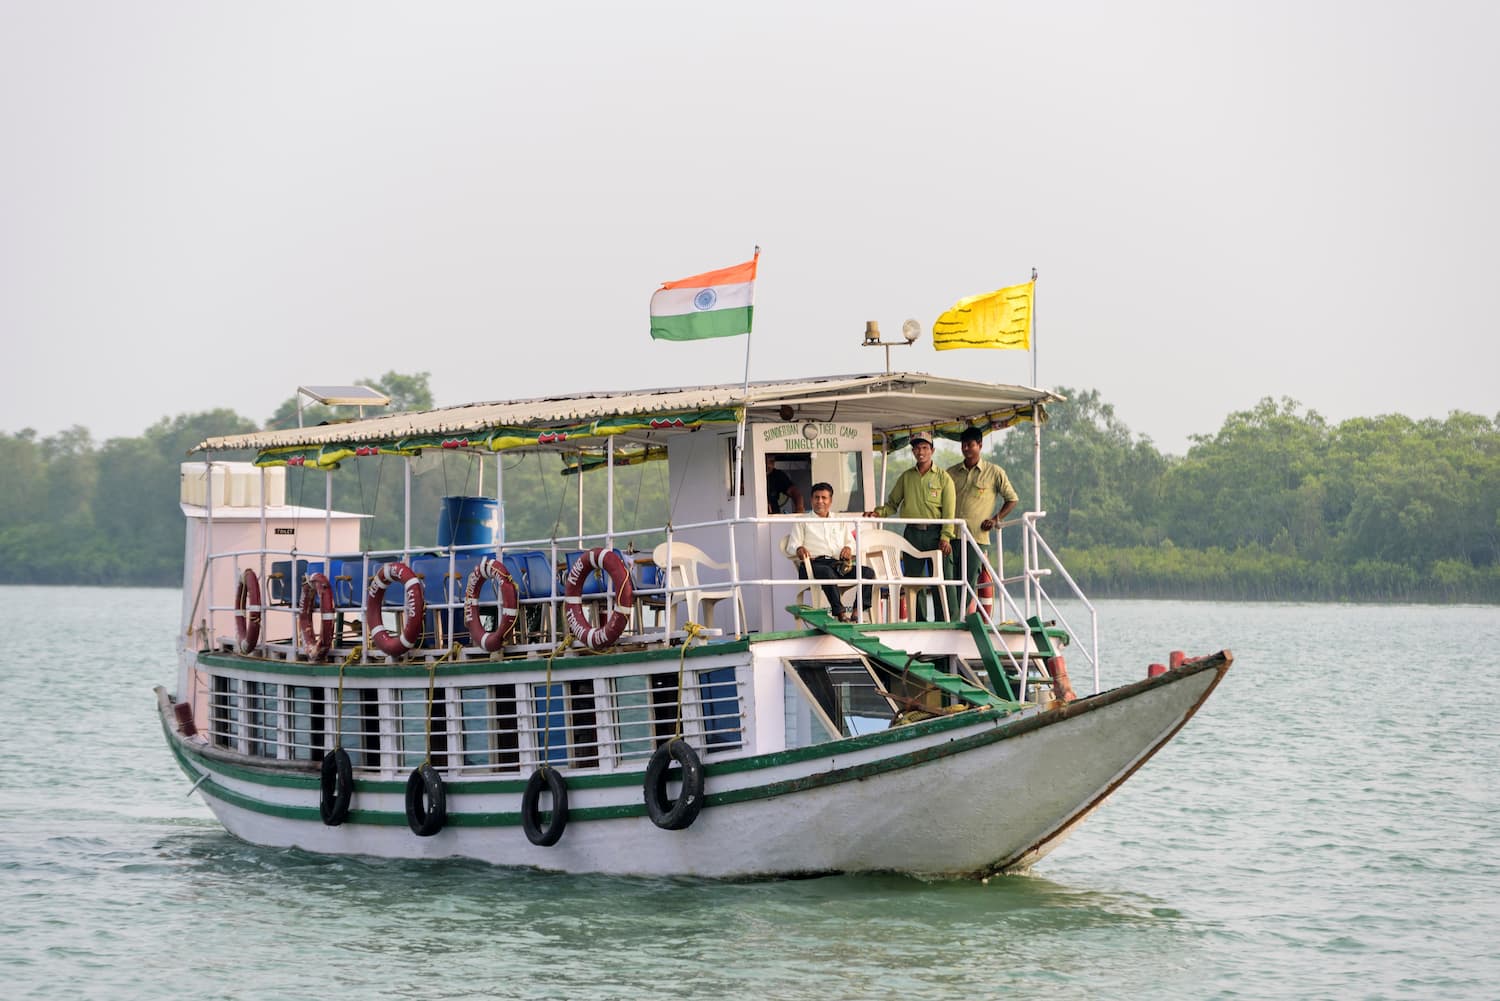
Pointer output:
x,y
980,492
921,496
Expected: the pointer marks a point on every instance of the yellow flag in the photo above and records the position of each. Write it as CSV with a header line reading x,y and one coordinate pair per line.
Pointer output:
x,y
999,319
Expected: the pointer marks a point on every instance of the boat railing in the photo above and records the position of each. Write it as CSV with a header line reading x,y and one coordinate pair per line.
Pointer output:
x,y
1034,549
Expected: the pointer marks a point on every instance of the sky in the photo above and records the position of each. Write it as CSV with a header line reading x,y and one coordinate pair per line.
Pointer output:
x,y
208,204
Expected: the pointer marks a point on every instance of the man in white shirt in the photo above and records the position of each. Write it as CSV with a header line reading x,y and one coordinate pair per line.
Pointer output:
x,y
829,545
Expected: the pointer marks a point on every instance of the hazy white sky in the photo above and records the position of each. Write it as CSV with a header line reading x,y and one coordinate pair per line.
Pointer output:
x,y
205,204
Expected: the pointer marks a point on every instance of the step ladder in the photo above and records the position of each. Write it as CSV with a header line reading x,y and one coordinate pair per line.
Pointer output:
x,y
901,663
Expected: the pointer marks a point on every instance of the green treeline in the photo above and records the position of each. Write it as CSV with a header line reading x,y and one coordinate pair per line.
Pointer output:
x,y
76,512
1276,505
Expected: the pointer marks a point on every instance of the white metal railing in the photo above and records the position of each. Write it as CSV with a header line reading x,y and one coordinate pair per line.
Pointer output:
x,y
605,728
541,605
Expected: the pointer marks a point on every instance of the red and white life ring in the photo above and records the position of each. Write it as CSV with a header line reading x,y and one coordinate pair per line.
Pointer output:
x,y
415,606
247,612
490,570
591,636
317,642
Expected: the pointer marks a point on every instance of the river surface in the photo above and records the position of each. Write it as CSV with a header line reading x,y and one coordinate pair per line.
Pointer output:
x,y
1326,827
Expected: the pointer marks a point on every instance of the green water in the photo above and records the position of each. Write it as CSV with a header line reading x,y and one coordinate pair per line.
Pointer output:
x,y
1324,828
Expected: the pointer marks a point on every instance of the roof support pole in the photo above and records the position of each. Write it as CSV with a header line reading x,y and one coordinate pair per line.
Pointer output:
x,y
609,517
499,502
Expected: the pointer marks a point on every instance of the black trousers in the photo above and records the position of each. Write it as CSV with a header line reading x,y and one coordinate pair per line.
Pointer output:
x,y
827,568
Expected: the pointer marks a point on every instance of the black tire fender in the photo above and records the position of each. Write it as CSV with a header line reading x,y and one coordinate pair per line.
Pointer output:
x,y
665,813
552,780
336,787
425,819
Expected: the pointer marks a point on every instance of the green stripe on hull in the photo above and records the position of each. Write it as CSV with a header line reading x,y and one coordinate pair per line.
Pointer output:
x,y
191,763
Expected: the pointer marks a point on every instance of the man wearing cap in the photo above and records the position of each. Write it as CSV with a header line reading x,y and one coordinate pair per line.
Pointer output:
x,y
983,497
923,491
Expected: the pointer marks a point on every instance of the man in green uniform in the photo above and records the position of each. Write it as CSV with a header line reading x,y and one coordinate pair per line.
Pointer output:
x,y
923,491
984,497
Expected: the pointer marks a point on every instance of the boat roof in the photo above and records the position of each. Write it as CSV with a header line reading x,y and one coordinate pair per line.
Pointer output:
x,y
895,404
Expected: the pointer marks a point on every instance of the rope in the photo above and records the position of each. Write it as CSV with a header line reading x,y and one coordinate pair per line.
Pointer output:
x,y
693,630
338,725
547,687
431,683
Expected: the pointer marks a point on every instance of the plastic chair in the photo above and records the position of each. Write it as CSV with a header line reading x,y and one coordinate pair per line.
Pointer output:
x,y
811,593
697,601
883,551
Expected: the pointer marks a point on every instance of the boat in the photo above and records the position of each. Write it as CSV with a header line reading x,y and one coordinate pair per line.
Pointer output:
x,y
674,700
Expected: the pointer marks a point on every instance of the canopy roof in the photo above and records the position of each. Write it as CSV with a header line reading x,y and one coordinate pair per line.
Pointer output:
x,y
895,404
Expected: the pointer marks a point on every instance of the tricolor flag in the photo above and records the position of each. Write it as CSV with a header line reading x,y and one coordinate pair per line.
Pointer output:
x,y
999,319
714,304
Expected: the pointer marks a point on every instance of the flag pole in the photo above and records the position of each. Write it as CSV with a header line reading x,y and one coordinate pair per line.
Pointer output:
x,y
739,436
1036,423
739,454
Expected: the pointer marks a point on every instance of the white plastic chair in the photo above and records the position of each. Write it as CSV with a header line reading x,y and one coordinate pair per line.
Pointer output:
x,y
883,551
697,601
811,593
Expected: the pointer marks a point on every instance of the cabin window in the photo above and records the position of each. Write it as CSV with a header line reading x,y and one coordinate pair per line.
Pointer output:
x,y
260,718
488,722
829,699
721,708
305,732
358,725
583,720
632,718
412,727
224,713
551,722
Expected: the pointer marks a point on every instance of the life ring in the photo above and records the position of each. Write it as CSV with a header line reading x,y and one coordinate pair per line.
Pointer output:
x,y
247,612
666,814
598,637
531,821
317,642
425,784
490,570
335,788
415,604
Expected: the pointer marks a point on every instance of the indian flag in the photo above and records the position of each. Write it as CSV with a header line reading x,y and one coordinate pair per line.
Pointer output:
x,y
714,304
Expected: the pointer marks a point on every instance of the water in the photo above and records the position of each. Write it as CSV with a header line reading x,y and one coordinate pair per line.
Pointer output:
x,y
1325,828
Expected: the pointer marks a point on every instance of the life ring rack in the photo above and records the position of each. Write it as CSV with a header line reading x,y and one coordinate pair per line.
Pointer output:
x,y
610,562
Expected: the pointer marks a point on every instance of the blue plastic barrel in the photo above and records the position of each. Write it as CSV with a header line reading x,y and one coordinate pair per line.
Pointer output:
x,y
468,521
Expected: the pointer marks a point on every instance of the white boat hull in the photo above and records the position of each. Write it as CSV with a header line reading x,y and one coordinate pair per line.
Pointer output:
x,y
942,798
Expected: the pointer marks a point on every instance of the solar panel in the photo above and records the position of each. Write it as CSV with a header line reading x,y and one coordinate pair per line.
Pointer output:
x,y
345,396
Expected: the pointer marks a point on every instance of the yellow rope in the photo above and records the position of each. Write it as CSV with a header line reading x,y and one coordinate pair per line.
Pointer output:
x,y
338,720
432,683
693,630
